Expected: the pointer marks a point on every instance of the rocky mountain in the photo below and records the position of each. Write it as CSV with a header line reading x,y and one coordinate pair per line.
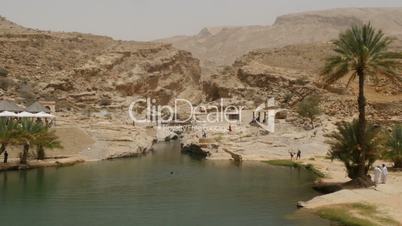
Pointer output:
x,y
290,74
89,71
223,45
83,71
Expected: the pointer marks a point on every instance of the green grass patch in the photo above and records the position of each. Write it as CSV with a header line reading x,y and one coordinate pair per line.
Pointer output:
x,y
356,214
314,170
289,163
283,162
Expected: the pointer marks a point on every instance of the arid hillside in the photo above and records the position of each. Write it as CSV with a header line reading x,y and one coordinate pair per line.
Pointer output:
x,y
88,71
83,71
223,45
292,73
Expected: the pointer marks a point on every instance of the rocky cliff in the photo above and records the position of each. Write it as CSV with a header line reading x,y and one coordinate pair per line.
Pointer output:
x,y
82,70
293,72
221,46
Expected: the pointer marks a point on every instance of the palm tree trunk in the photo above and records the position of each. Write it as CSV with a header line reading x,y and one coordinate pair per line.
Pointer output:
x,y
362,125
24,156
40,152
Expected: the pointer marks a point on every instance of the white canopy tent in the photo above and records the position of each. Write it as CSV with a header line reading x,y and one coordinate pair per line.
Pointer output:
x,y
8,114
25,114
43,115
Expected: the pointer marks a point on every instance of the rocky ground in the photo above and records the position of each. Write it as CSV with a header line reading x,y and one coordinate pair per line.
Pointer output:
x,y
255,143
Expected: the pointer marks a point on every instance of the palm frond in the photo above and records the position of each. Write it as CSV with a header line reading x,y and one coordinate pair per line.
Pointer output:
x,y
344,145
362,48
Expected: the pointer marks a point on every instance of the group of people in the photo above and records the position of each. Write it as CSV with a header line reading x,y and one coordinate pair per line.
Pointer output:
x,y
380,174
292,155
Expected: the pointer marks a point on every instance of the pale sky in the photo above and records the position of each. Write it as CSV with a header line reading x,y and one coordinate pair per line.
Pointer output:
x,y
153,19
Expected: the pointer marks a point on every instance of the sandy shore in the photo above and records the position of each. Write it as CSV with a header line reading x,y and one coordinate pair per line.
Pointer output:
x,y
386,197
33,164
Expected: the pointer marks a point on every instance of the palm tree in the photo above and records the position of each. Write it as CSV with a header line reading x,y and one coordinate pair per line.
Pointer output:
x,y
362,51
345,146
395,144
8,133
46,139
28,133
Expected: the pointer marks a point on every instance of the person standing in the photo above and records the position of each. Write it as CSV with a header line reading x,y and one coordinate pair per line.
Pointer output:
x,y
5,157
384,174
377,174
292,154
298,157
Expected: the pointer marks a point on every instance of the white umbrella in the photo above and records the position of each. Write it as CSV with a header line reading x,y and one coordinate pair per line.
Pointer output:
x,y
43,115
25,114
8,114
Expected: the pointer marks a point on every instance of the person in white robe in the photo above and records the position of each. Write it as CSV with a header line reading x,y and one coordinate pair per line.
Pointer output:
x,y
384,174
377,174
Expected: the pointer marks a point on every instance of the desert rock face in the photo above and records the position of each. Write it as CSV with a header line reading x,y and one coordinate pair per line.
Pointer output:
x,y
80,70
293,72
223,45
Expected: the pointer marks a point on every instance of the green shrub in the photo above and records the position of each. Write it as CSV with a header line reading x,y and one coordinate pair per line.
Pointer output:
x,y
309,107
394,144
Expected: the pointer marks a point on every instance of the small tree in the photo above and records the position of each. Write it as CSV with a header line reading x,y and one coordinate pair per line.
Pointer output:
x,y
28,131
3,72
394,143
309,107
46,139
345,147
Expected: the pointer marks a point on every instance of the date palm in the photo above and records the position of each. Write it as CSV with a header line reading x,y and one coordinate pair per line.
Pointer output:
x,y
362,52
344,145
8,133
47,138
394,143
37,134
28,133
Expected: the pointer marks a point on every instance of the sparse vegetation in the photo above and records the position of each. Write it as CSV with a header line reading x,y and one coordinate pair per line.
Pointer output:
x,y
5,83
345,147
3,72
394,144
27,133
355,214
8,133
289,163
105,101
302,81
288,97
283,162
309,107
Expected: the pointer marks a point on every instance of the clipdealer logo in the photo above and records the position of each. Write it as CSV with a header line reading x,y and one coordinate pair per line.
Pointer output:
x,y
165,114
